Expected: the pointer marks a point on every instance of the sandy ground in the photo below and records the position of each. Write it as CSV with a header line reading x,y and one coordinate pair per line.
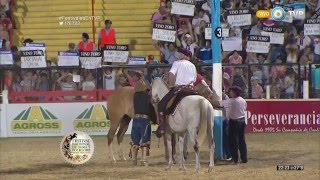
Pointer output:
x,y
39,158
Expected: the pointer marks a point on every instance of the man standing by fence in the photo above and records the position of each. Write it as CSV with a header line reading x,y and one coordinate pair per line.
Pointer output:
x,y
235,110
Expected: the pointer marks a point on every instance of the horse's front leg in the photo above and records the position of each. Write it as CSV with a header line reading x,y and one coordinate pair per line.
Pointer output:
x,y
185,147
169,148
181,149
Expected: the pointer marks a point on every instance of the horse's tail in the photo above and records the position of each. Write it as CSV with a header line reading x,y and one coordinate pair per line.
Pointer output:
x,y
206,121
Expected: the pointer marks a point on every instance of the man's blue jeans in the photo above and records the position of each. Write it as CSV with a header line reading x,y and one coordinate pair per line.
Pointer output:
x,y
141,131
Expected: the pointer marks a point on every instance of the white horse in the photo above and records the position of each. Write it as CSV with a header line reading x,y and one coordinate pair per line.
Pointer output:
x,y
194,115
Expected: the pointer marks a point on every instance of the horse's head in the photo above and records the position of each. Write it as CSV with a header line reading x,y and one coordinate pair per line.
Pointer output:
x,y
159,89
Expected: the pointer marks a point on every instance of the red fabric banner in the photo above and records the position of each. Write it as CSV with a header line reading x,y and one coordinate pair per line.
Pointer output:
x,y
283,116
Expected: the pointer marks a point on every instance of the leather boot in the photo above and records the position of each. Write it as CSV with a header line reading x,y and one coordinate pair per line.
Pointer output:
x,y
160,129
135,150
144,161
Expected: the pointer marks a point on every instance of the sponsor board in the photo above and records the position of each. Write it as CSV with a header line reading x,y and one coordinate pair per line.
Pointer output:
x,y
283,116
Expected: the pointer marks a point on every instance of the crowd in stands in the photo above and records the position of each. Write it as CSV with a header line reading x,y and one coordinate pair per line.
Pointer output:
x,y
282,68
5,23
279,68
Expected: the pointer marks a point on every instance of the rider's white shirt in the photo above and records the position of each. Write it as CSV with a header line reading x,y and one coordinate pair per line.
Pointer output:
x,y
185,72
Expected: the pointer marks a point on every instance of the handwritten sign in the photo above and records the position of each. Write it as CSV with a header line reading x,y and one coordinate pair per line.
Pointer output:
x,y
164,32
90,60
133,60
116,53
68,59
276,34
312,27
183,7
6,58
258,44
33,59
239,17
231,44
208,32
34,46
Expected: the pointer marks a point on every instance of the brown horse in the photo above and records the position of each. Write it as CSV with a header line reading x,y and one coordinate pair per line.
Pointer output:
x,y
120,113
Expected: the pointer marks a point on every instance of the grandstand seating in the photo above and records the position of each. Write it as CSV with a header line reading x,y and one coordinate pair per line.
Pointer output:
x,y
39,20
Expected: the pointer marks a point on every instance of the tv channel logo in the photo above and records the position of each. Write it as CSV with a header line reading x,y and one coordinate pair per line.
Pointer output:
x,y
278,13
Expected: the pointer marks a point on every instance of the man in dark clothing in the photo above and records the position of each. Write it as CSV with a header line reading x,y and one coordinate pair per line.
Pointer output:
x,y
141,128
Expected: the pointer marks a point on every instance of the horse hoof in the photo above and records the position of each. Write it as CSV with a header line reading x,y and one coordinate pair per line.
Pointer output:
x,y
169,168
182,169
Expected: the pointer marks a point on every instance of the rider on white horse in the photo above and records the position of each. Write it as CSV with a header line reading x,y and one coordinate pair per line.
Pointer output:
x,y
182,74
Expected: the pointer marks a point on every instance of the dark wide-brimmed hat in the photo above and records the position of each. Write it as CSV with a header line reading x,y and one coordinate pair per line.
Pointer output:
x,y
185,52
236,89
140,86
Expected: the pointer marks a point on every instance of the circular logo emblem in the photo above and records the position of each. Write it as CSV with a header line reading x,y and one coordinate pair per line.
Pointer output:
x,y
77,148
278,14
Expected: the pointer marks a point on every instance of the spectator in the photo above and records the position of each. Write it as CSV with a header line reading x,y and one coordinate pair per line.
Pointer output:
x,y
16,86
72,48
86,44
235,58
257,73
26,41
4,7
5,22
168,6
43,82
187,43
88,84
27,83
55,85
238,79
66,84
278,70
275,92
207,7
302,41
251,58
289,84
109,79
159,16
292,51
256,89
196,21
107,35
169,52
316,43
307,56
186,28
256,29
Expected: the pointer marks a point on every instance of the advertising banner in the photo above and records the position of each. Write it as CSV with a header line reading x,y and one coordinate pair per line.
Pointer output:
x,y
55,119
59,119
283,116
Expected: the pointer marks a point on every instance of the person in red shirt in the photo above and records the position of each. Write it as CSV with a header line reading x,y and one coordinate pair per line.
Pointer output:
x,y
86,44
107,35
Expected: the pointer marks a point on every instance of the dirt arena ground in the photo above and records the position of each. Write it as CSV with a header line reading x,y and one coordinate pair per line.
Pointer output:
x,y
39,158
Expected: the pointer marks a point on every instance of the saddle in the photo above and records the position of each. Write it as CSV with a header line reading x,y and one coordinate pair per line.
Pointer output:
x,y
175,100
